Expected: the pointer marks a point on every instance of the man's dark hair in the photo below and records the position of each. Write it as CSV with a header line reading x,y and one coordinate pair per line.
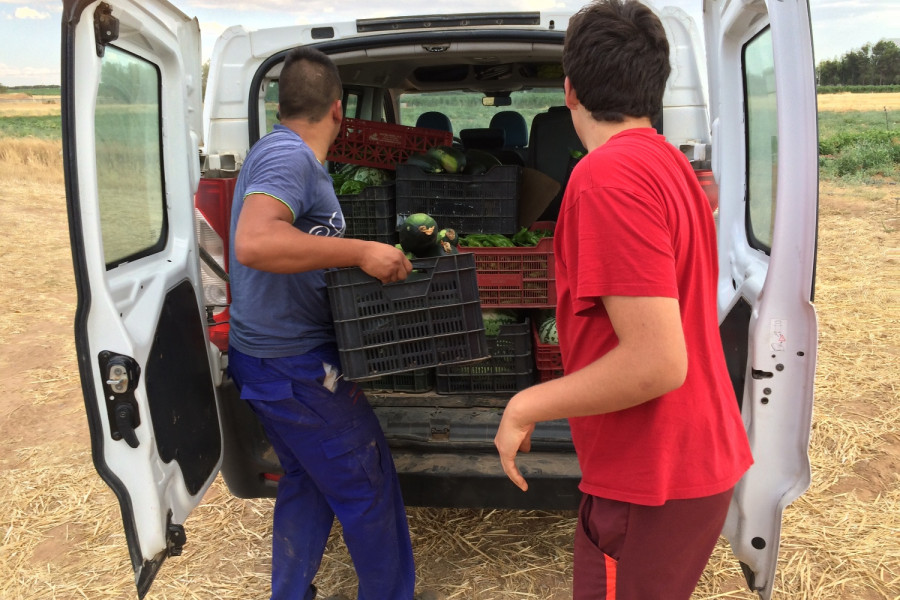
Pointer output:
x,y
308,84
616,56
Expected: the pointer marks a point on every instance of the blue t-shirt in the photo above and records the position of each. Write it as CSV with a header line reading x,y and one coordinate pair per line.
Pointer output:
x,y
273,314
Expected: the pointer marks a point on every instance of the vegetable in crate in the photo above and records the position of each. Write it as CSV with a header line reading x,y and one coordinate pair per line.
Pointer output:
x,y
371,176
527,237
547,331
486,240
494,319
479,162
338,179
351,186
452,160
419,235
426,162
449,241
353,179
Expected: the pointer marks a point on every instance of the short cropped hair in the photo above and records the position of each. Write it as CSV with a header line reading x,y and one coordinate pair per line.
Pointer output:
x,y
616,56
309,83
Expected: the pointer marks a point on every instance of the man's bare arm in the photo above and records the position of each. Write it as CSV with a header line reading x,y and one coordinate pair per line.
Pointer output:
x,y
265,239
649,361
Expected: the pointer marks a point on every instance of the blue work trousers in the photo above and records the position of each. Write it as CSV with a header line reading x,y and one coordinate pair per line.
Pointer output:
x,y
336,462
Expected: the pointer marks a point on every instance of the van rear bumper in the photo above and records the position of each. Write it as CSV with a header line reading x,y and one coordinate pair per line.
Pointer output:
x,y
444,457
467,480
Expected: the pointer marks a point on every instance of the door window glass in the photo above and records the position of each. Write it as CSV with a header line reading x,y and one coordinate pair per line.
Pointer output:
x,y
129,170
352,105
271,104
762,139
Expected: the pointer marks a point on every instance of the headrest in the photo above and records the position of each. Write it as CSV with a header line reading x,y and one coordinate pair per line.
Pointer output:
x,y
434,120
514,125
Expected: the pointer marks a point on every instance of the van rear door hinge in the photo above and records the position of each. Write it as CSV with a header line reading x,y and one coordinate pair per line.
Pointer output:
x,y
106,28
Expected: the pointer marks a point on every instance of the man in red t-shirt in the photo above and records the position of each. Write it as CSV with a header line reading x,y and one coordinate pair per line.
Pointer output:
x,y
654,418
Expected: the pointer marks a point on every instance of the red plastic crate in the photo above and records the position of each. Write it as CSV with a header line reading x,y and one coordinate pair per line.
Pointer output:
x,y
547,357
382,145
521,277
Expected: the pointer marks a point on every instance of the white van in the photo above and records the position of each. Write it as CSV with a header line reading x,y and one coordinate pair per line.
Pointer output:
x,y
150,166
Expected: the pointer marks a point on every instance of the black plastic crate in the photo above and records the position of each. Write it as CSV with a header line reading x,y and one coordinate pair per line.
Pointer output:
x,y
509,369
415,382
486,203
371,214
432,318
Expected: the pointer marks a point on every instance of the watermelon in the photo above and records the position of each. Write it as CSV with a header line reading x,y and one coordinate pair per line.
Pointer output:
x,y
547,332
419,235
494,319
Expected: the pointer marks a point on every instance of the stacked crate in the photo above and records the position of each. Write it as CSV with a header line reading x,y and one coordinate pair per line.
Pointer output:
x,y
519,278
372,214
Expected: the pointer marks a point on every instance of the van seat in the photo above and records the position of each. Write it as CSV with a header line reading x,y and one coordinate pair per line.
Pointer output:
x,y
550,146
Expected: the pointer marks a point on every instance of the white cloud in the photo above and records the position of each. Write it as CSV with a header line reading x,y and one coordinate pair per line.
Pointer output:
x,y
24,12
10,75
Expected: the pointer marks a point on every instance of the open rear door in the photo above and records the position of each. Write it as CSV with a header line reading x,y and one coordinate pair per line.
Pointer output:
x,y
765,159
131,94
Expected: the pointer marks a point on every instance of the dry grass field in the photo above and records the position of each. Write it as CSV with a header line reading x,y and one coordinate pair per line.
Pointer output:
x,y
61,535
847,102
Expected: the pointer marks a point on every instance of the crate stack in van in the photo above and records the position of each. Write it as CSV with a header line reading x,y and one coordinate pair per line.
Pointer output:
x,y
419,171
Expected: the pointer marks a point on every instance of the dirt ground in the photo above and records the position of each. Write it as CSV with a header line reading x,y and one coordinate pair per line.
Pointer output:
x,y
61,535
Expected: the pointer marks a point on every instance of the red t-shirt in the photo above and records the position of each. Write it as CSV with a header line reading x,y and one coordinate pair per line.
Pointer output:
x,y
635,222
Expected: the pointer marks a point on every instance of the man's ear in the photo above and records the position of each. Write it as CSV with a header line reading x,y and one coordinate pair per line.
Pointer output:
x,y
337,110
571,97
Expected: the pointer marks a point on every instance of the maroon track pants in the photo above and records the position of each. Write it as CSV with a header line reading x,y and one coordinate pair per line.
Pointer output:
x,y
629,551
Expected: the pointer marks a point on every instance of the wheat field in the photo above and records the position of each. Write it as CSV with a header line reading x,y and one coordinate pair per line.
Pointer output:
x,y
61,530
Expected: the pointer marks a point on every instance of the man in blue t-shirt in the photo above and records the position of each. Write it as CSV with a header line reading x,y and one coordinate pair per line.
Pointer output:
x,y
286,228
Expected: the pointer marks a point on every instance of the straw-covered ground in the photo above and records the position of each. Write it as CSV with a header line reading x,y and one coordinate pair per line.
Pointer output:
x,y
61,534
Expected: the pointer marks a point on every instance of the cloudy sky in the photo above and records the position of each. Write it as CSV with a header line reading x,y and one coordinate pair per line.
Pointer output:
x,y
30,29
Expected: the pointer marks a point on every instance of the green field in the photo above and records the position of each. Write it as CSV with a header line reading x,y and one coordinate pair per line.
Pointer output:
x,y
47,127
857,145
53,90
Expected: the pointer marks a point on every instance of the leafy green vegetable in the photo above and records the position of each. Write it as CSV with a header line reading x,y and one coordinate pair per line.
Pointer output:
x,y
337,180
370,176
486,240
351,186
528,237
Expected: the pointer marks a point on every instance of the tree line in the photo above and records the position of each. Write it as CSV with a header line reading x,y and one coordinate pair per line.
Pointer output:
x,y
877,64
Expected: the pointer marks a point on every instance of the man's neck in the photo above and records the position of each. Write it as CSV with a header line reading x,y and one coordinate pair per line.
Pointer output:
x,y
318,136
595,133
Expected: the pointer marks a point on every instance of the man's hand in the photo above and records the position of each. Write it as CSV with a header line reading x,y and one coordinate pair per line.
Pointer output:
x,y
513,437
385,262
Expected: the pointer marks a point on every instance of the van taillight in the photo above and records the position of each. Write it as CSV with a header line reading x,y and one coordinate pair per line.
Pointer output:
x,y
709,185
212,208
